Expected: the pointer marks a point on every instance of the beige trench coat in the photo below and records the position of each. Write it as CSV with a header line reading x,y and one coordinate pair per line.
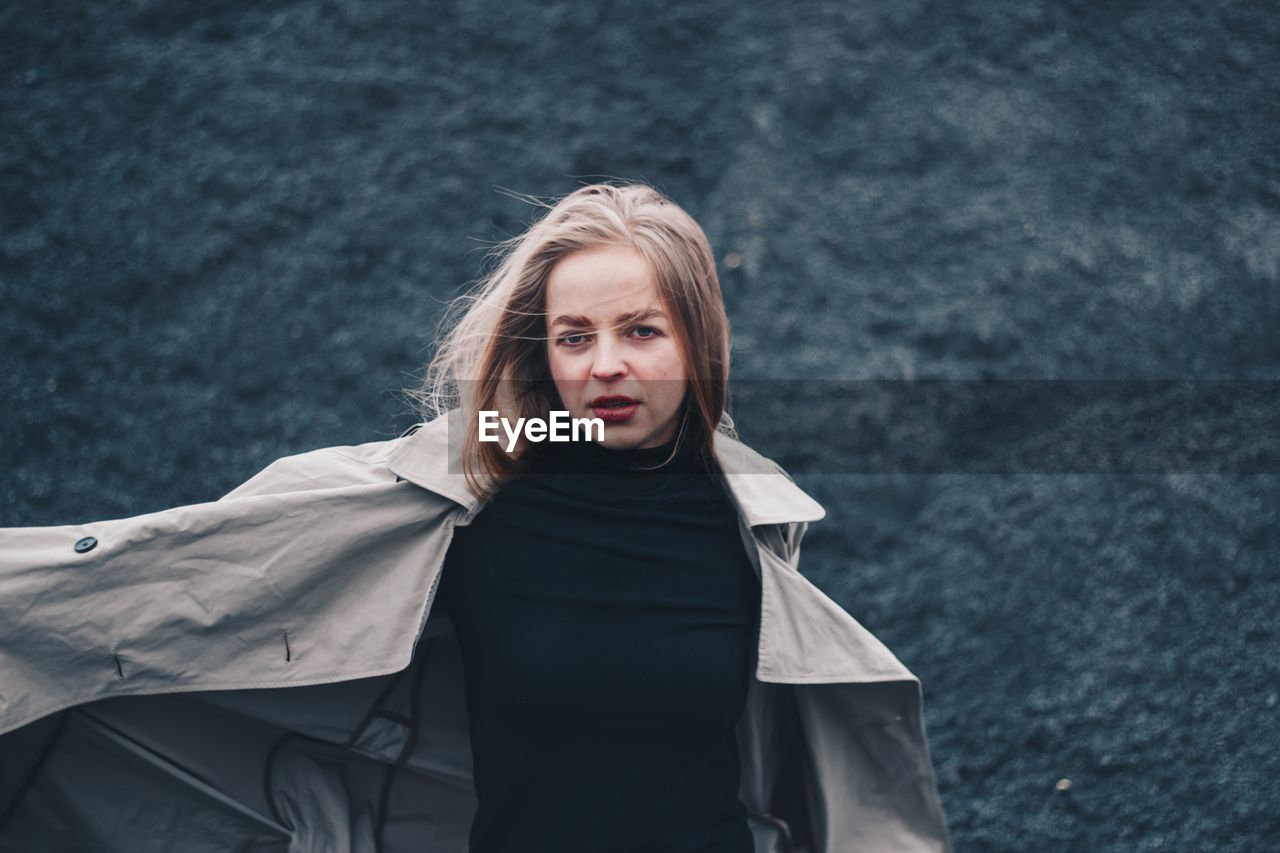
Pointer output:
x,y
318,575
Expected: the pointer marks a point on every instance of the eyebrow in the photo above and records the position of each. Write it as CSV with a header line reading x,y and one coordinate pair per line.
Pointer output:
x,y
577,321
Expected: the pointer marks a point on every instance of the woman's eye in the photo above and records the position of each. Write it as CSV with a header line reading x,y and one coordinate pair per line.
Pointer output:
x,y
570,339
639,329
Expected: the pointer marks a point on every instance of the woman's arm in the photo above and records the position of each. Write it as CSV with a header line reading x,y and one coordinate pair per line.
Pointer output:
x,y
315,570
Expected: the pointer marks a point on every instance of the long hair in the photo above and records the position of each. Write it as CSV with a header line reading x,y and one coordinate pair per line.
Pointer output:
x,y
491,354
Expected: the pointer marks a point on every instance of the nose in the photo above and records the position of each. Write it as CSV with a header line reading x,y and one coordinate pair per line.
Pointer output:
x,y
608,362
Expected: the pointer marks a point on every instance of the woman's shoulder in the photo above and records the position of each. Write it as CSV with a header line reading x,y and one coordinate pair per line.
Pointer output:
x,y
323,468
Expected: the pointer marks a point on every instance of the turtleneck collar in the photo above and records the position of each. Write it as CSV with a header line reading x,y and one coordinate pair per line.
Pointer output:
x,y
589,457
430,453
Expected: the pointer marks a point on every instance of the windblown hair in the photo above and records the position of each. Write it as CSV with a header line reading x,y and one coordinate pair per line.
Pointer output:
x,y
491,353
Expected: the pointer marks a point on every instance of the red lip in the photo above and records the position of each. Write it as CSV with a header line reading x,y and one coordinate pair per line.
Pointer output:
x,y
614,407
614,414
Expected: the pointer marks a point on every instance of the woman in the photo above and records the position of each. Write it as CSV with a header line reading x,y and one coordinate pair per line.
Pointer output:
x,y
643,667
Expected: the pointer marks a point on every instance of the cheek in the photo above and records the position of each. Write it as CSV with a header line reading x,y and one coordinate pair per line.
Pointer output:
x,y
668,370
563,369
555,361
671,367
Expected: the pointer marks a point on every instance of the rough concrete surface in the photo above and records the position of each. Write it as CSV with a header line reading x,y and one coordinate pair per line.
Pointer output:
x,y
228,230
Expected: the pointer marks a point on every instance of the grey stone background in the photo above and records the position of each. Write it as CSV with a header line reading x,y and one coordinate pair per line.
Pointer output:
x,y
229,228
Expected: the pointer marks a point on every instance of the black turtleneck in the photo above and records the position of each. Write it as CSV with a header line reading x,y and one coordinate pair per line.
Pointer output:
x,y
606,616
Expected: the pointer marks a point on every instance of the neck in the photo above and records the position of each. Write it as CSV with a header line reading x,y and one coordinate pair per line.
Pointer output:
x,y
671,456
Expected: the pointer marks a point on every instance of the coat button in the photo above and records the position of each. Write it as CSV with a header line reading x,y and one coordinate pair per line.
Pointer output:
x,y
85,544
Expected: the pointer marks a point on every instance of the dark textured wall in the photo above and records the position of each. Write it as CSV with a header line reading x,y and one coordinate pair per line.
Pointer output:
x,y
228,230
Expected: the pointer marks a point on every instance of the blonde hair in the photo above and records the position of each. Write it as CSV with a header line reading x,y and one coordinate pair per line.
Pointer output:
x,y
491,353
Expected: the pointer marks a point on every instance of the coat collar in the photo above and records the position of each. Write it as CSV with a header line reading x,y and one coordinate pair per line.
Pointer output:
x,y
431,457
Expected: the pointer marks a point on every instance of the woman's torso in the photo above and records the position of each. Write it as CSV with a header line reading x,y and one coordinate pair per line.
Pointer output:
x,y
607,621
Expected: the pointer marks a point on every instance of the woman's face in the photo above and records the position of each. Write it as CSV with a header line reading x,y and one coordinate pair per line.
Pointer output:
x,y
608,335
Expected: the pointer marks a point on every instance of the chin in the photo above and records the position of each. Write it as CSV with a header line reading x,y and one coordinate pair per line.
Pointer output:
x,y
621,438
615,442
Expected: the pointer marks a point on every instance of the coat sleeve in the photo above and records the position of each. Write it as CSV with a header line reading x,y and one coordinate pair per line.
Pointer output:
x,y
310,572
325,468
